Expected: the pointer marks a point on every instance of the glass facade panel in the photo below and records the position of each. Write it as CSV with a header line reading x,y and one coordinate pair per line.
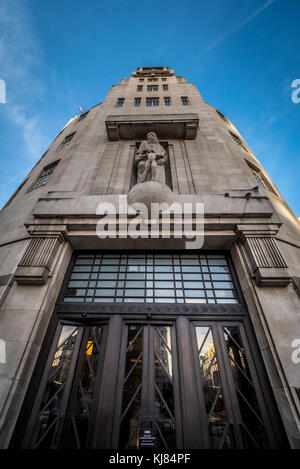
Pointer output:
x,y
151,278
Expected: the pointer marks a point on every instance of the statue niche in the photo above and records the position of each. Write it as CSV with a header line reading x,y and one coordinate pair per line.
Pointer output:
x,y
151,174
150,160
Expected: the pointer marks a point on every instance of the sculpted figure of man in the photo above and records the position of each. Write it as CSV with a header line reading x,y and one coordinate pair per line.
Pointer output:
x,y
150,159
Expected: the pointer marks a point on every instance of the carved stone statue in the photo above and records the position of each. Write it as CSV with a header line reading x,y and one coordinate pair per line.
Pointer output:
x,y
150,159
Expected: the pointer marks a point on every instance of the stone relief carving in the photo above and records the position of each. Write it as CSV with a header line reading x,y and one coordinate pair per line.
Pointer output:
x,y
150,159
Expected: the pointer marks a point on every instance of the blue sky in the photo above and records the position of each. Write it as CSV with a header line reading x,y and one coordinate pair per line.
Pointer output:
x,y
242,55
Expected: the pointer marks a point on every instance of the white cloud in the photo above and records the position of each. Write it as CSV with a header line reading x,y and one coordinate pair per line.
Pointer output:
x,y
34,139
229,32
20,58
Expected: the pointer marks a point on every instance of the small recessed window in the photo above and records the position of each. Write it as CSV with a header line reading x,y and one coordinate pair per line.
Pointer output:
x,y
167,100
152,101
141,79
66,142
163,79
185,101
45,175
222,116
259,177
152,79
83,116
152,88
140,88
137,102
120,102
237,139
165,87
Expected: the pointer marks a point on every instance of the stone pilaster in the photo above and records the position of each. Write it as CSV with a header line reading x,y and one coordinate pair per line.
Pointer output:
x,y
37,261
265,259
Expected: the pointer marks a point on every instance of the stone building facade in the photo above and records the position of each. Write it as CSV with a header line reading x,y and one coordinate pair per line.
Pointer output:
x,y
115,341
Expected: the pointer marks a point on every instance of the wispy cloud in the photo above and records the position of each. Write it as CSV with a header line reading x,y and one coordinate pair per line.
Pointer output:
x,y
33,138
20,57
229,32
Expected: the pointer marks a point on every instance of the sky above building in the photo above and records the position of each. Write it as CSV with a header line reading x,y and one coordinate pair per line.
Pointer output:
x,y
243,56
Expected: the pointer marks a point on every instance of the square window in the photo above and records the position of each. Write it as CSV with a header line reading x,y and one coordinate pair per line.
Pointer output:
x,y
120,102
67,140
185,101
45,175
152,102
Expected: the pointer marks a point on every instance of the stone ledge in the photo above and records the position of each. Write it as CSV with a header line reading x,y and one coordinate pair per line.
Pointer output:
x,y
272,277
131,127
31,275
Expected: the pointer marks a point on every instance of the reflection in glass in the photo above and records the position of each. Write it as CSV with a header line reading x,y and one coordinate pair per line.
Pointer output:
x,y
50,406
164,393
80,409
254,434
131,404
218,426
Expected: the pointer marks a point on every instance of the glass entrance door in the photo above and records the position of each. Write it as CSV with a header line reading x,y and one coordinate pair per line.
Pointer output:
x,y
149,395
184,382
236,415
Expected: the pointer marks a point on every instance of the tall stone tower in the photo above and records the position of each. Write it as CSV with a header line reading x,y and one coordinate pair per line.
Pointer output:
x,y
149,341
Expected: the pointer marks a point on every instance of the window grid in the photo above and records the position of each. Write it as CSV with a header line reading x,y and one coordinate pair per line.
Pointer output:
x,y
45,175
152,101
83,116
258,177
237,139
152,87
66,142
151,278
120,102
185,101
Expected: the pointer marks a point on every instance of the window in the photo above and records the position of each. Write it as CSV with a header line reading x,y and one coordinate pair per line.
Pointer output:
x,y
167,101
237,139
140,88
45,175
141,79
66,142
152,79
259,177
222,116
152,101
163,79
151,278
152,88
137,102
83,116
185,101
165,87
120,102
